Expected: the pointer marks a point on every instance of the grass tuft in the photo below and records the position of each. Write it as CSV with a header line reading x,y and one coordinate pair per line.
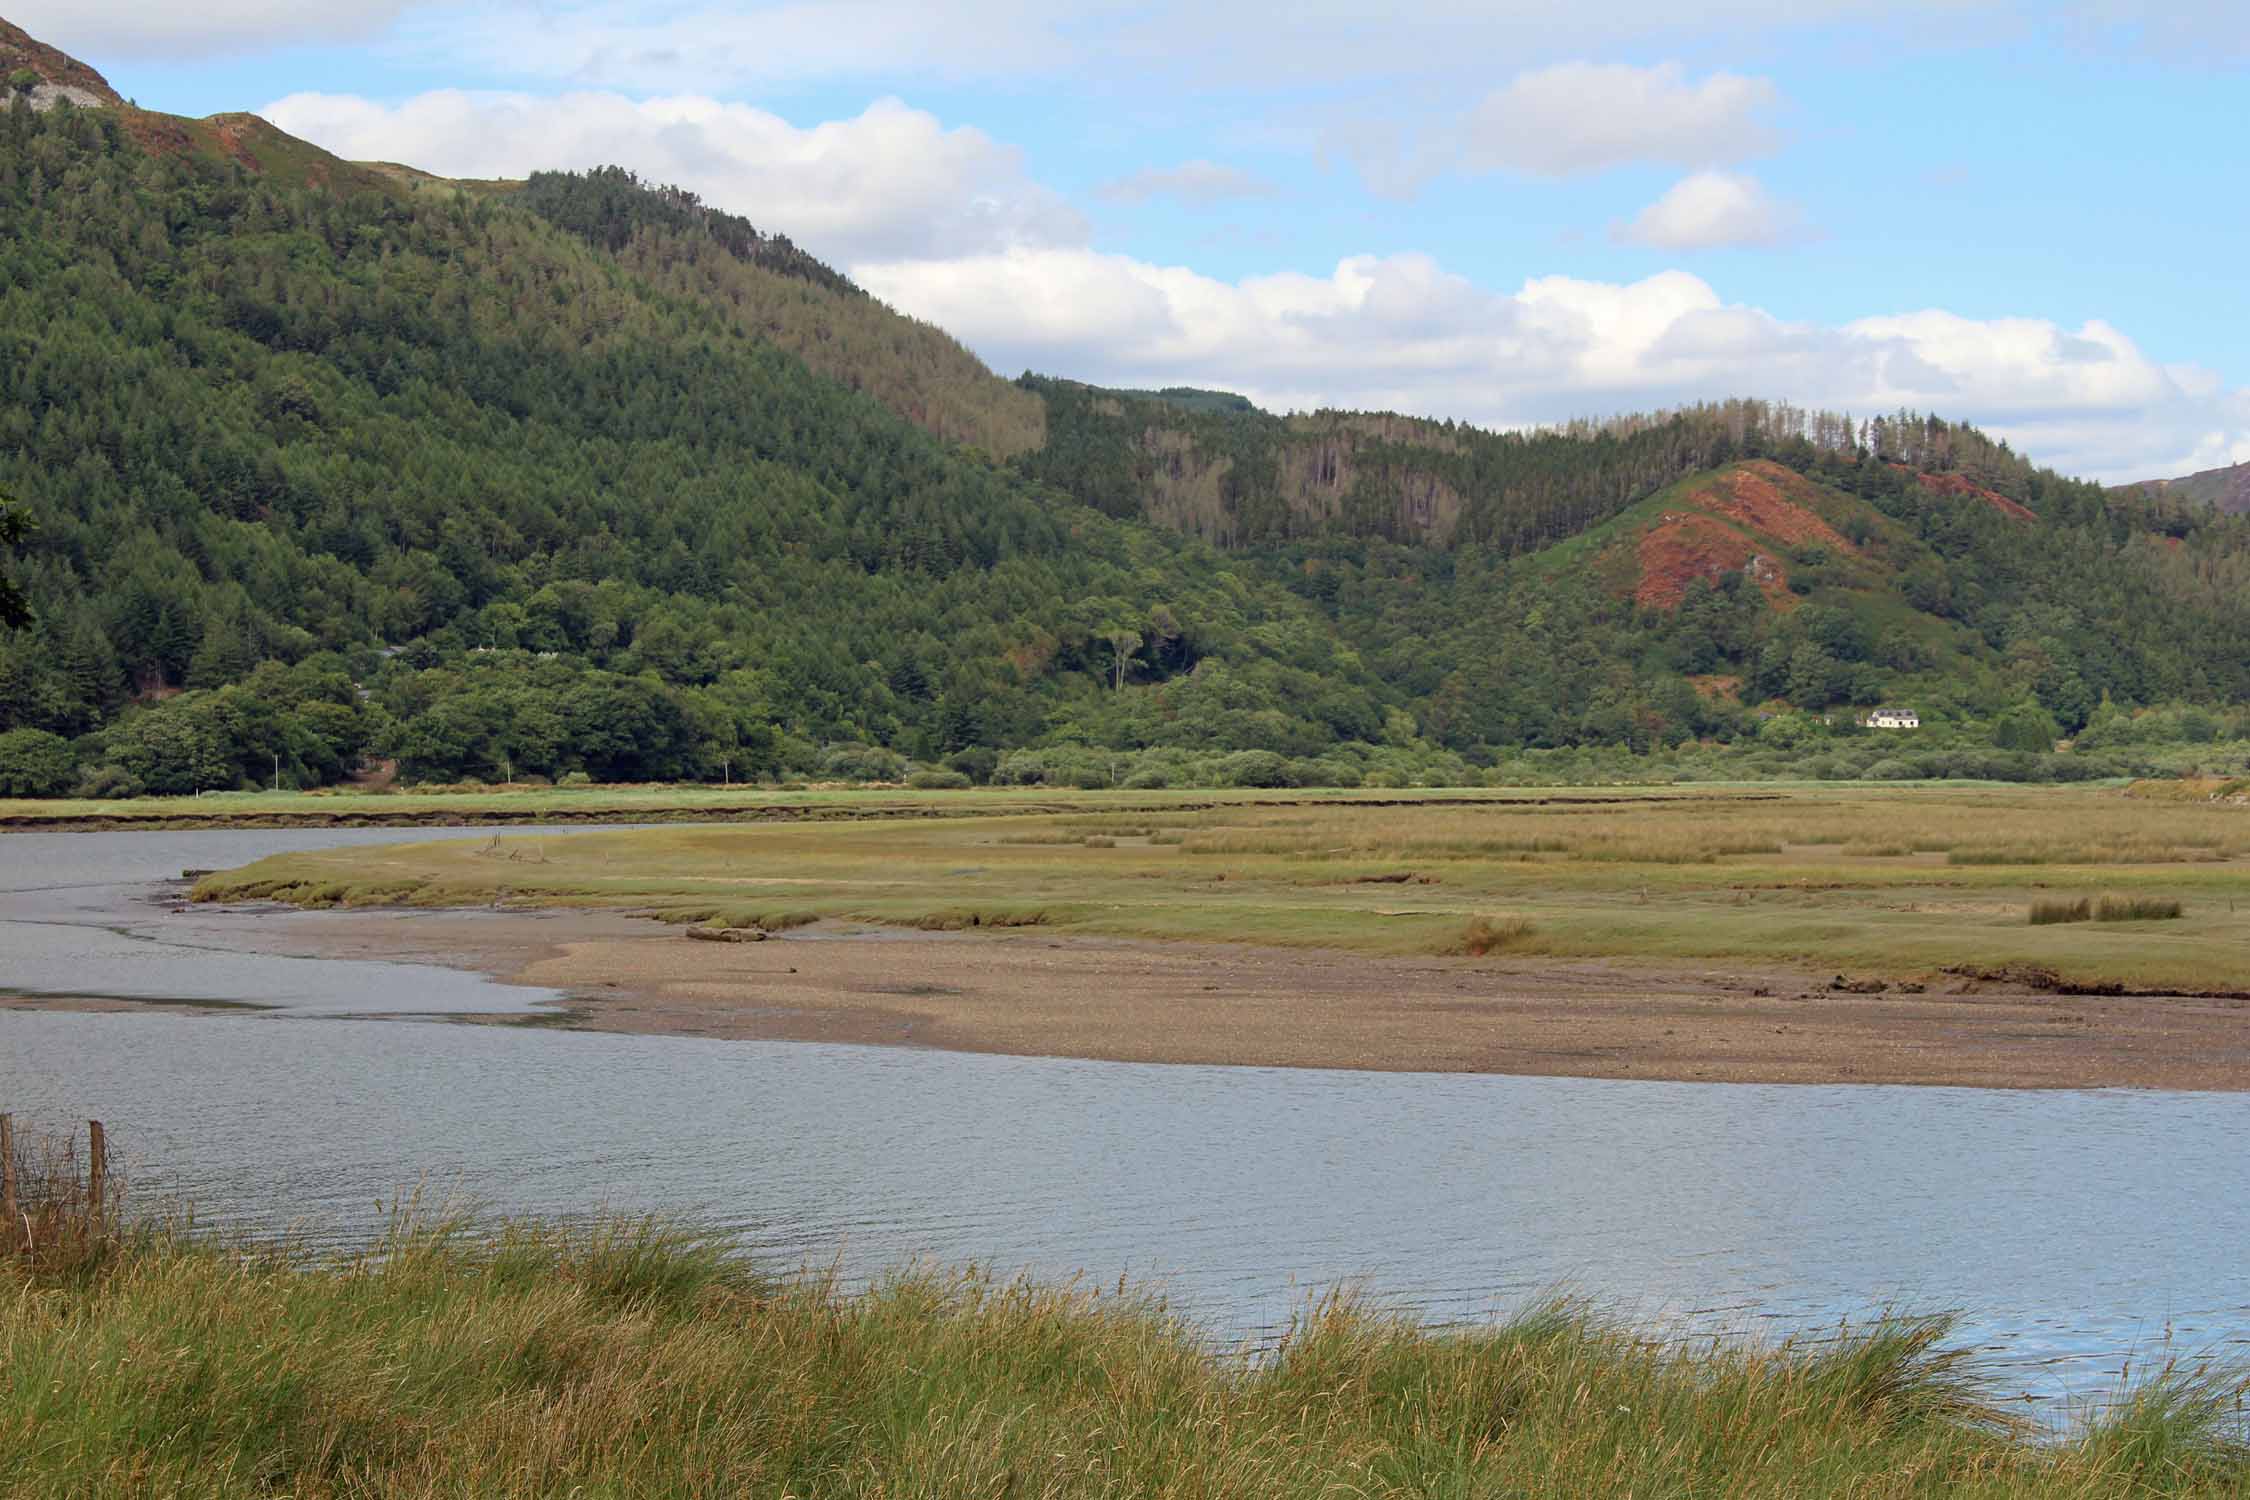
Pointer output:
x,y
2138,909
1483,935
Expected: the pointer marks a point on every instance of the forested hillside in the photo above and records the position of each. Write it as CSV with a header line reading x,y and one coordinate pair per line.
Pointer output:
x,y
2224,489
551,517
329,464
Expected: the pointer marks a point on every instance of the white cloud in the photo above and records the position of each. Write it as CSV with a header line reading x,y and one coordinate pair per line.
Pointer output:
x,y
96,29
1713,210
1588,117
1401,332
1196,183
892,183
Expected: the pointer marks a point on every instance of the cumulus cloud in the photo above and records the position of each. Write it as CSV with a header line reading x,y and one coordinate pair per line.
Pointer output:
x,y
891,183
1569,120
1403,332
95,29
1199,184
1713,210
1588,117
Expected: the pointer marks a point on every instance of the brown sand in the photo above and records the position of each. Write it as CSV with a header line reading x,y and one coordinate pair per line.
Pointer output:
x,y
1030,994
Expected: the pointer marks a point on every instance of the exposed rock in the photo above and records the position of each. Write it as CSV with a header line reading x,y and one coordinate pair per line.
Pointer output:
x,y
47,95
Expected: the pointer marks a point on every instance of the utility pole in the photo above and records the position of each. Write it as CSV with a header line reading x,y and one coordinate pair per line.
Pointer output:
x,y
277,770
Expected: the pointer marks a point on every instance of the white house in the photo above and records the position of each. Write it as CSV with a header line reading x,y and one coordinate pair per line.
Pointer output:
x,y
1894,718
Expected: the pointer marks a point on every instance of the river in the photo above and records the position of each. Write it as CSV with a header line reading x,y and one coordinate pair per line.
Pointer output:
x,y
2073,1229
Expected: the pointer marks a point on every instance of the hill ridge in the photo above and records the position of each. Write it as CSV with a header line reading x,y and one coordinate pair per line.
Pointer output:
x,y
579,478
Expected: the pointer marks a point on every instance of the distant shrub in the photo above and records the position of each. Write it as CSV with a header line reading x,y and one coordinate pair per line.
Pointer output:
x,y
938,781
1255,768
34,763
109,783
2056,913
1383,777
862,763
976,762
574,778
1148,779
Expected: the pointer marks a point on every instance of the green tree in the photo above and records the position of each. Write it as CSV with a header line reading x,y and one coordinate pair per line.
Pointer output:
x,y
15,529
34,763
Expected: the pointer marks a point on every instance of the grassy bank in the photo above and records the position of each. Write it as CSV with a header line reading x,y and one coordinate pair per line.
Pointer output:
x,y
443,806
620,1361
1900,883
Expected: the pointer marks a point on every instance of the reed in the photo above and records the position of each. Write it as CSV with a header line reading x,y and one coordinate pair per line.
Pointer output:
x,y
622,1358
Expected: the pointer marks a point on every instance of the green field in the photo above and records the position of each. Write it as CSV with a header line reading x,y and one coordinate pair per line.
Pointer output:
x,y
1896,883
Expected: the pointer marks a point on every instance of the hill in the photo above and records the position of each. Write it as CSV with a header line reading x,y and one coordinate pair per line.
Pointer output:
x,y
579,476
2221,489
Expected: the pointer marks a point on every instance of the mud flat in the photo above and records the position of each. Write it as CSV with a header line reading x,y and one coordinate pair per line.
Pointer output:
x,y
1029,993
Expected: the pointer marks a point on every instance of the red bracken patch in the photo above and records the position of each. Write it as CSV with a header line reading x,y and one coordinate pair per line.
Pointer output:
x,y
1684,547
1957,484
1749,495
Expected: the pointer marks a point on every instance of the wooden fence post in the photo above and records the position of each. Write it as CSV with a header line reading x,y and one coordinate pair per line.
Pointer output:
x,y
97,1166
8,1168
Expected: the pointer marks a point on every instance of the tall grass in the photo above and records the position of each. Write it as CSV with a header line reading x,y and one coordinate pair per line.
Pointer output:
x,y
2137,909
625,1360
59,1225
2108,909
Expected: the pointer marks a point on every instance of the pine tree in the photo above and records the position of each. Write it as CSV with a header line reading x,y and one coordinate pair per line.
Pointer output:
x,y
15,528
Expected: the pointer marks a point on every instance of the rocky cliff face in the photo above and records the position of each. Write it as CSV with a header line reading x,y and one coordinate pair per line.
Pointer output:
x,y
58,76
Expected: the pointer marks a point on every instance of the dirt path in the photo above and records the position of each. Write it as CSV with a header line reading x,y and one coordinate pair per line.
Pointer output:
x,y
1032,994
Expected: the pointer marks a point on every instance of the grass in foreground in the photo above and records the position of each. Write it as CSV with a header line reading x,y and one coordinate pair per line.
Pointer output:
x,y
1896,882
621,1360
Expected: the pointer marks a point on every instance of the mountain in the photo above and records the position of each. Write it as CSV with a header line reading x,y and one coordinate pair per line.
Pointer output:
x,y
333,460
2221,489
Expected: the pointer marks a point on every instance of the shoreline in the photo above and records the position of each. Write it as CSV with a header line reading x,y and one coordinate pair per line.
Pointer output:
x,y
1031,993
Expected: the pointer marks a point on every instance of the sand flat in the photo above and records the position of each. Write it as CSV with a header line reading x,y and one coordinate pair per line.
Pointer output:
x,y
1029,993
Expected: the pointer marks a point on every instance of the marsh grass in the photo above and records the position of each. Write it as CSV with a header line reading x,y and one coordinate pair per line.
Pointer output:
x,y
59,1226
1813,876
1487,935
2138,909
621,1358
2107,909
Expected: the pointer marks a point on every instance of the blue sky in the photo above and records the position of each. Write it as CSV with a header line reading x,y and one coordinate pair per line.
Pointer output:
x,y
2030,215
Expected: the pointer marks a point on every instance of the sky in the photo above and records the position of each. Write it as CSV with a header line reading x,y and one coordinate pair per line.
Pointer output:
x,y
2028,214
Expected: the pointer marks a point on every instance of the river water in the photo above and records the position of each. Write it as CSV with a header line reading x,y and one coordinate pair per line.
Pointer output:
x,y
2073,1229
